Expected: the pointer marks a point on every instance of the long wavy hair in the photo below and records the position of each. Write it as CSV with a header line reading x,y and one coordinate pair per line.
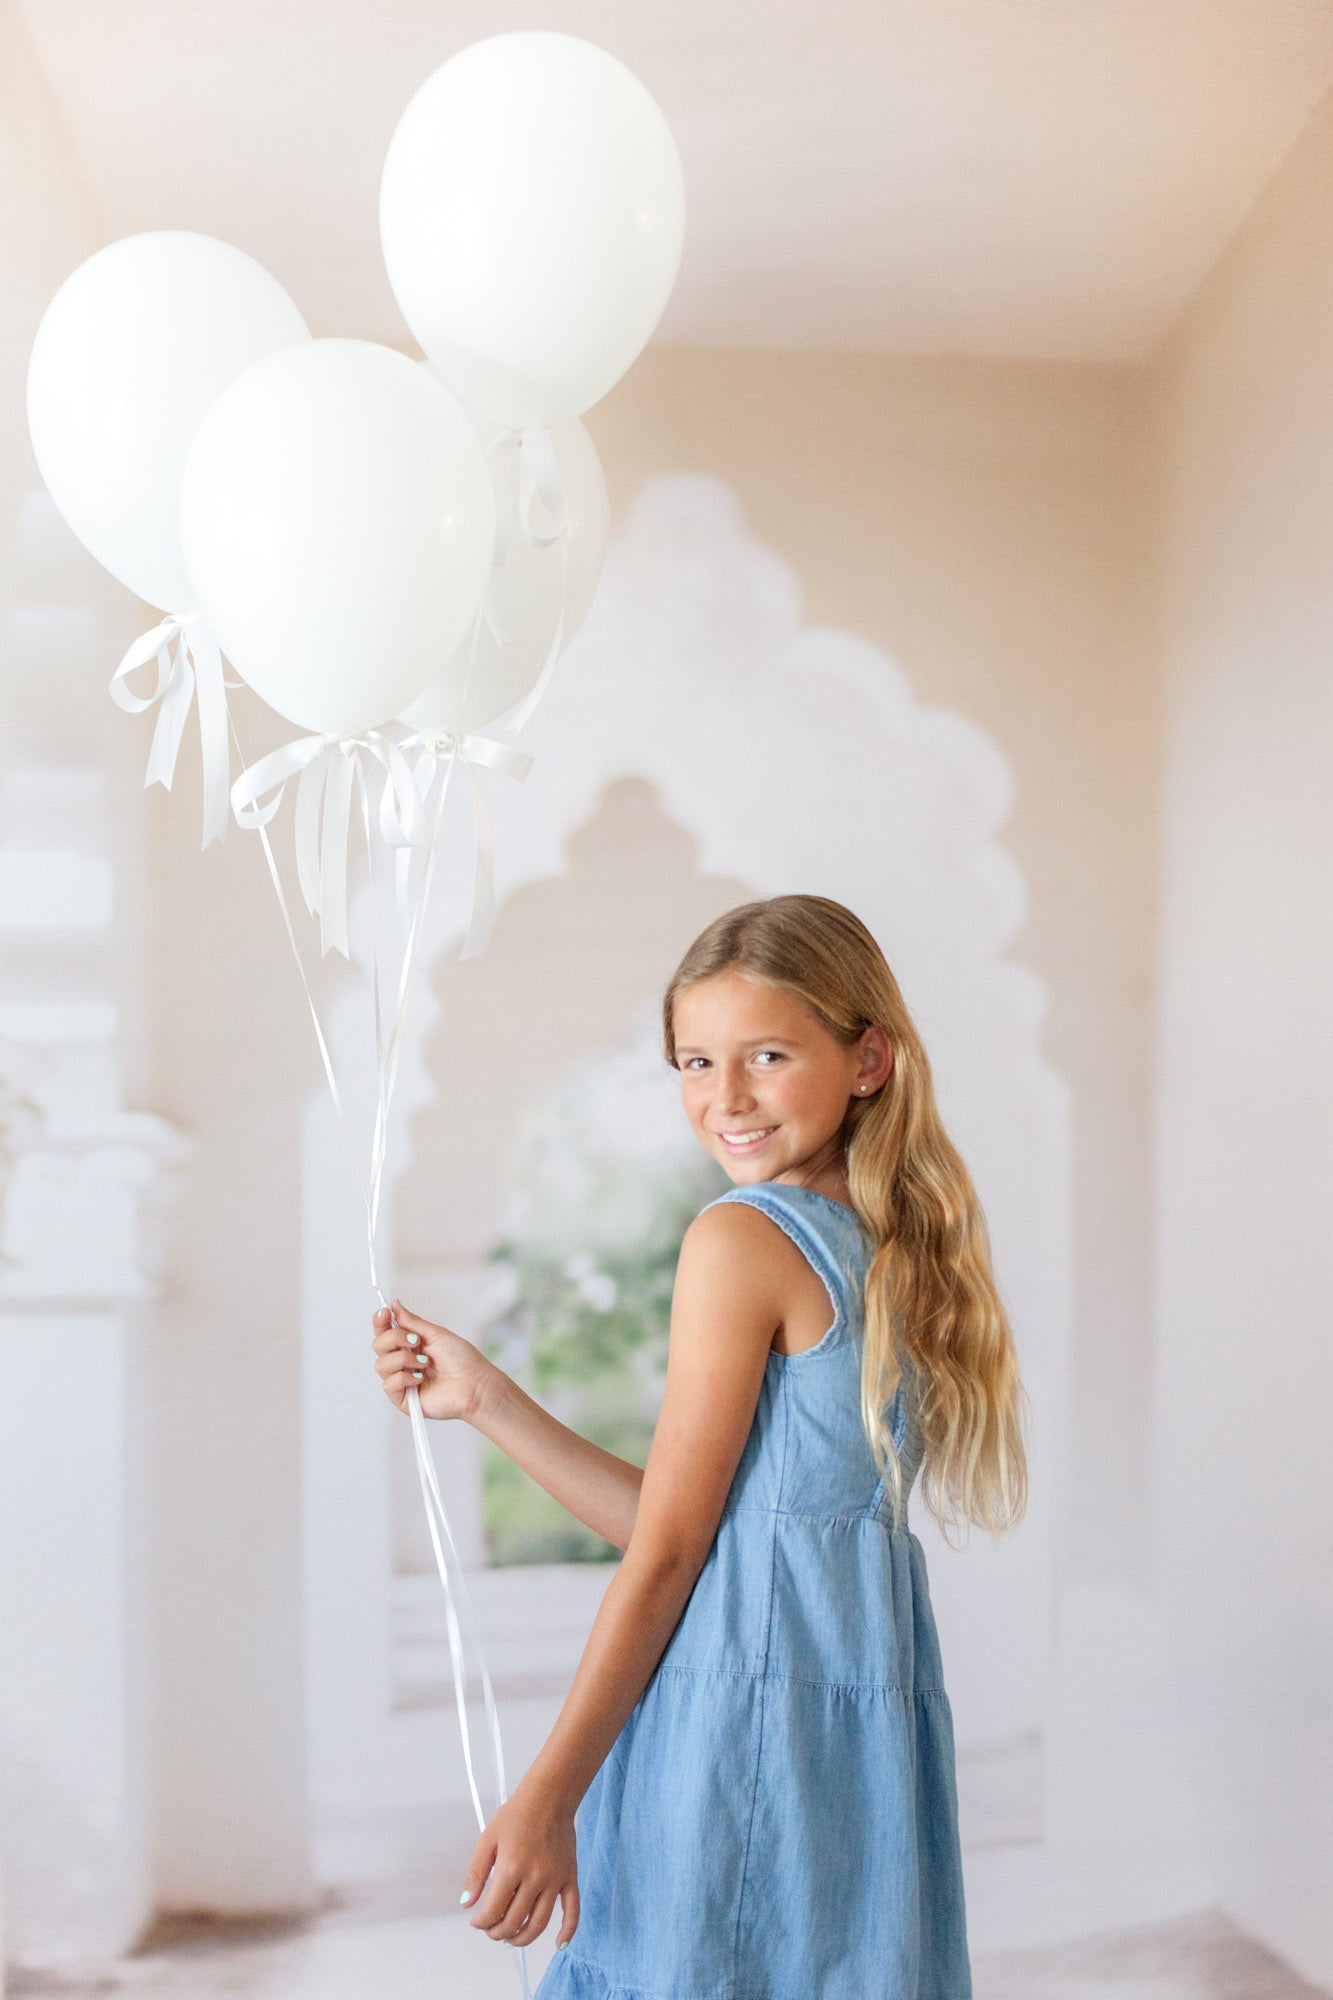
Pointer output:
x,y
930,1294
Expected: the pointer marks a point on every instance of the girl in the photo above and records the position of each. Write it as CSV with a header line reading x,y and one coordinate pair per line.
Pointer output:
x,y
755,1762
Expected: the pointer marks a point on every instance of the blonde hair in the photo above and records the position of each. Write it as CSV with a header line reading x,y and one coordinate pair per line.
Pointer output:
x,y
929,1276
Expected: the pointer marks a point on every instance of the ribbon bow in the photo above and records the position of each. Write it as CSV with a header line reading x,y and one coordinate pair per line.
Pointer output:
x,y
446,747
326,767
188,657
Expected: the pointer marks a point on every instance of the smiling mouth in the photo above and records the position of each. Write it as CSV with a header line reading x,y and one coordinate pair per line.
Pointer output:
x,y
747,1142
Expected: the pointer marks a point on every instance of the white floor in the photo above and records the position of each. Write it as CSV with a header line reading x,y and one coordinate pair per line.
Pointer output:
x,y
442,1958
388,1876
1050,1916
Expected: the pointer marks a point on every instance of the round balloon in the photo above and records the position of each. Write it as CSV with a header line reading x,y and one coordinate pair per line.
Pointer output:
x,y
532,212
131,353
484,677
338,525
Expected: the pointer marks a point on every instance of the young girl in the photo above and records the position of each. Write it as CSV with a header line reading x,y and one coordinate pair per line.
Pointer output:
x,y
755,1763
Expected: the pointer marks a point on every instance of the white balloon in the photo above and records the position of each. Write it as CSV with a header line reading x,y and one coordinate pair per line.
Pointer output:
x,y
338,524
532,212
131,352
483,679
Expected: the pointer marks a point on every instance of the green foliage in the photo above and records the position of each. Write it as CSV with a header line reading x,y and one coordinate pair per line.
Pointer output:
x,y
587,1324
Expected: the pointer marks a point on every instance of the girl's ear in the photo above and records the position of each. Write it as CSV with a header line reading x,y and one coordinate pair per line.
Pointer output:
x,y
876,1042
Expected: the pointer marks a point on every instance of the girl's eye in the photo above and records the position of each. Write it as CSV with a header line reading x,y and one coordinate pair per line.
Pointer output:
x,y
692,1060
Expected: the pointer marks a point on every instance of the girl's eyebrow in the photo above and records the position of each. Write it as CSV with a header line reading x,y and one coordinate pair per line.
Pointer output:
x,y
759,1042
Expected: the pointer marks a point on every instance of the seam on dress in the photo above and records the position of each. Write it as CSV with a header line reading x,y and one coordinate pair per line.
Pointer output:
x,y
763,1703
813,1514
801,1680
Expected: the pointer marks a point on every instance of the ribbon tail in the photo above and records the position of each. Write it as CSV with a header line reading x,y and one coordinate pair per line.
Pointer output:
x,y
402,814
309,795
424,769
214,749
333,856
171,714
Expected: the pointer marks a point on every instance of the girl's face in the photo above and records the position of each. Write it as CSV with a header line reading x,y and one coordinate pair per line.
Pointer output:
x,y
764,1084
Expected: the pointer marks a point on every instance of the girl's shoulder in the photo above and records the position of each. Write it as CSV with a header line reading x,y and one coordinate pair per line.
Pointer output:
x,y
809,1212
829,1234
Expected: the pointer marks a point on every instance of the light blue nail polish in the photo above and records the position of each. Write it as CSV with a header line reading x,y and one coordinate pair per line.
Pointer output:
x,y
466,1896
563,1942
412,1339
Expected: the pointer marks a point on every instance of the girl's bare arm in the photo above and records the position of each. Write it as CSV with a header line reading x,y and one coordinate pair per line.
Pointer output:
x,y
598,1488
727,1301
454,1379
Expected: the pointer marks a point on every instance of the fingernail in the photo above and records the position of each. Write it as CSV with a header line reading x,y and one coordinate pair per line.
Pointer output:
x,y
563,1942
466,1896
417,1375
412,1339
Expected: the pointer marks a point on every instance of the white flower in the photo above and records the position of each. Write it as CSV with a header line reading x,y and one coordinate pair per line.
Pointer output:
x,y
600,1289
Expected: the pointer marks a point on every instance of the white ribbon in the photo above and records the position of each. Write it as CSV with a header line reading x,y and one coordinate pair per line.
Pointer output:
x,y
325,767
445,747
188,658
437,1520
529,470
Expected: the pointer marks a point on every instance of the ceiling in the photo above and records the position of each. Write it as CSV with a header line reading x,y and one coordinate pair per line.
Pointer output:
x,y
1047,179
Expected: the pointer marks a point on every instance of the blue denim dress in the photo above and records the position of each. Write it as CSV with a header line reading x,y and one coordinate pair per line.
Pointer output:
x,y
778,1818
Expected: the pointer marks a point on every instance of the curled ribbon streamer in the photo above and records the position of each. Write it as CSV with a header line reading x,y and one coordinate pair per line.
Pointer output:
x,y
530,470
423,771
325,767
188,660
445,746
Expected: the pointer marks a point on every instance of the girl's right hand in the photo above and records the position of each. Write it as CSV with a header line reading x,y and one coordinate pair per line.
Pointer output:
x,y
454,1373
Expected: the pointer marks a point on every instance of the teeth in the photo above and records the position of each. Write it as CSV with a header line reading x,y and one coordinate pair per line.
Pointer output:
x,y
742,1138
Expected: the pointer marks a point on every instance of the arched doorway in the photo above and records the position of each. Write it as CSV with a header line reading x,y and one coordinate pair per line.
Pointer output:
x,y
699,747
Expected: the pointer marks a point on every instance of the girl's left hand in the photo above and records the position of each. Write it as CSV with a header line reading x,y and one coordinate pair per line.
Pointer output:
x,y
528,1850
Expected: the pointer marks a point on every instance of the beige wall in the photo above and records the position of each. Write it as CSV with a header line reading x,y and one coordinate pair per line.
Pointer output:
x,y
988,524
993,527
1244,394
